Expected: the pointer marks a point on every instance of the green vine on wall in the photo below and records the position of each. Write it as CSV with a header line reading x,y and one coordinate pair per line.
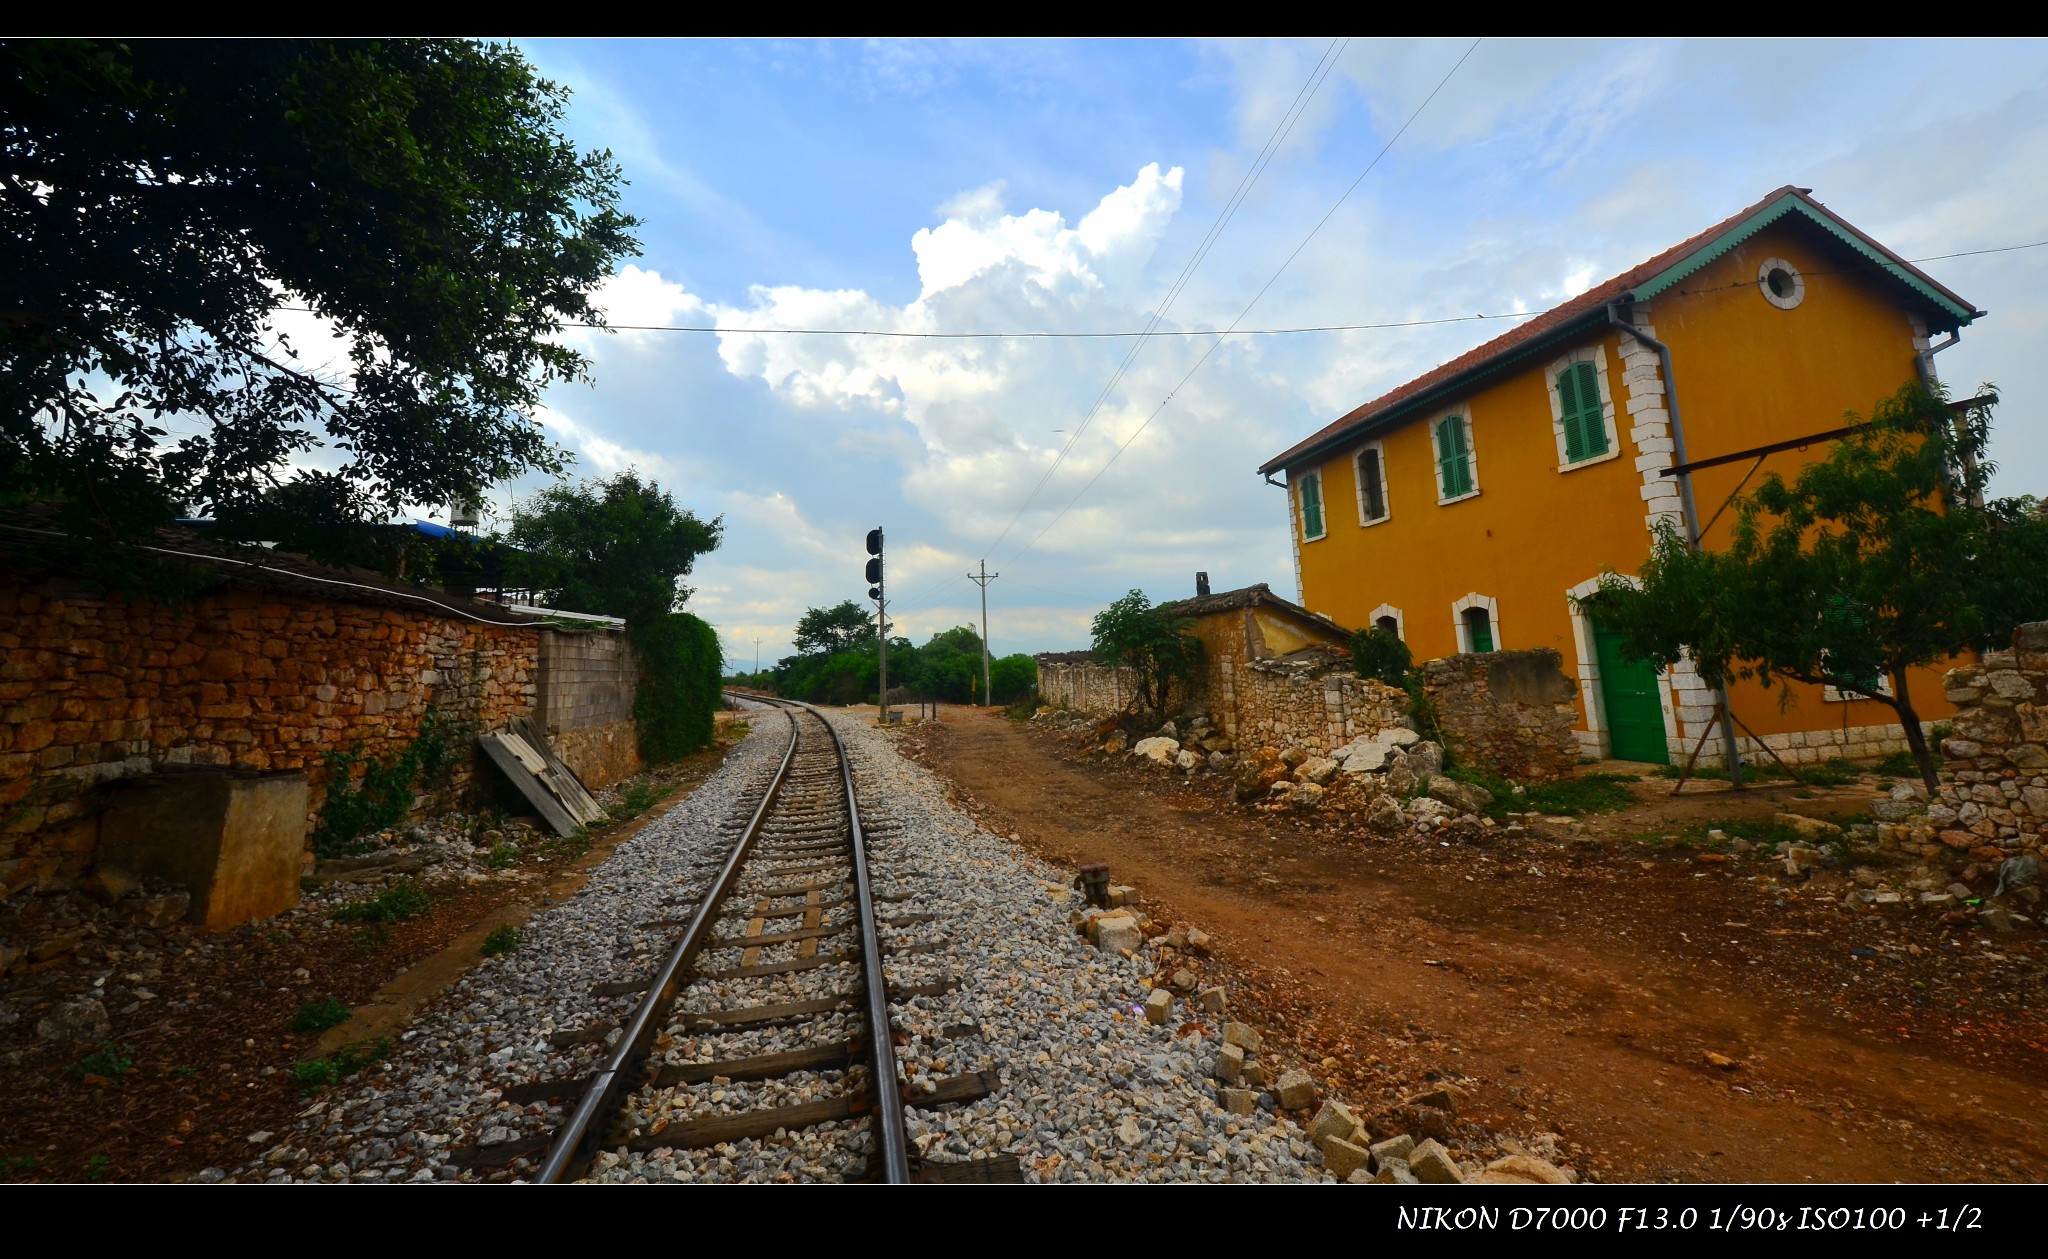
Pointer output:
x,y
389,786
678,691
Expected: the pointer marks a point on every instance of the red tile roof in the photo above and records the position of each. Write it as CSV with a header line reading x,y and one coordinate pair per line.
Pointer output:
x,y
1584,306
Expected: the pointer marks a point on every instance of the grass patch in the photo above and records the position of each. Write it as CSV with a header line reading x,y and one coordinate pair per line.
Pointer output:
x,y
635,798
1567,797
1022,709
1762,832
108,1060
1898,765
502,940
402,900
317,1073
318,1016
370,939
96,1168
503,857
1834,773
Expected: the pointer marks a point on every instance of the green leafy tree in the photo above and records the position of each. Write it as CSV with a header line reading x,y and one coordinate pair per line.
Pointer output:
x,y
162,201
844,627
617,547
1880,558
1152,643
1379,653
1012,678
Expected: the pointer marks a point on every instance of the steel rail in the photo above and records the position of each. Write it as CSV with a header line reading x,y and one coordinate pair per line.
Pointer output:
x,y
577,1141
892,1143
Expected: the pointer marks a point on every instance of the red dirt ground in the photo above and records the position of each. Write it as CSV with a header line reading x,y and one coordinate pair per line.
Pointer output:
x,y
1574,987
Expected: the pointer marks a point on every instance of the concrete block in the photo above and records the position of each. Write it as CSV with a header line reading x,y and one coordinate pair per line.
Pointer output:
x,y
234,841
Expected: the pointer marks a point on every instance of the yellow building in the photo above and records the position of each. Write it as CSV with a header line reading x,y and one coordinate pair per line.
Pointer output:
x,y
1466,509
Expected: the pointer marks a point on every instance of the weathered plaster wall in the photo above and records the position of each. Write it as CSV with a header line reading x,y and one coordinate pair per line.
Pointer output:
x,y
1510,712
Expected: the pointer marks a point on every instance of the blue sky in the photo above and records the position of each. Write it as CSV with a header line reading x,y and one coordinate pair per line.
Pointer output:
x,y
1062,186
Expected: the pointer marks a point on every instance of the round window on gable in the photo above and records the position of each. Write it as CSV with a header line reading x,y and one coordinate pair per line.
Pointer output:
x,y
1780,283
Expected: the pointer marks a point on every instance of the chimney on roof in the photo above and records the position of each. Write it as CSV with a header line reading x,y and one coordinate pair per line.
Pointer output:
x,y
1201,585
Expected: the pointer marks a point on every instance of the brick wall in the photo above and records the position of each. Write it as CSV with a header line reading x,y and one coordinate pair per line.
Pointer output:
x,y
97,686
1995,792
585,689
1509,712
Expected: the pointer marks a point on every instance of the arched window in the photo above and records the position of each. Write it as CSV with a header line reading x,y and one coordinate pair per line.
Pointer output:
x,y
1390,625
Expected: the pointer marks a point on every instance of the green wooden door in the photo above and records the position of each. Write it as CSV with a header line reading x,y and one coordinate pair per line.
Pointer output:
x,y
1635,713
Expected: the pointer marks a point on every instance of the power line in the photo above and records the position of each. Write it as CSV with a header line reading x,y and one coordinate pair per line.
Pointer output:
x,y
1281,130
1288,261
1046,335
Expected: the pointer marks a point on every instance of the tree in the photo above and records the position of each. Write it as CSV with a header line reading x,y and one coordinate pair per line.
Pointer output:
x,y
1152,643
1880,558
163,201
1379,653
828,631
617,546
1012,678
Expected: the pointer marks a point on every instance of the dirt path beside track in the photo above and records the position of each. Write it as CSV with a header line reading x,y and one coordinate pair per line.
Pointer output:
x,y
1579,988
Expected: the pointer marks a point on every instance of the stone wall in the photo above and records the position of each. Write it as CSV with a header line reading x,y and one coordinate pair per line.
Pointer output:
x,y
97,686
1280,704
1509,712
585,688
1077,680
1995,792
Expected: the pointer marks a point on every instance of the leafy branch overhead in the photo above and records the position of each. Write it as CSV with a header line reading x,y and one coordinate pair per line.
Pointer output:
x,y
168,203
1881,558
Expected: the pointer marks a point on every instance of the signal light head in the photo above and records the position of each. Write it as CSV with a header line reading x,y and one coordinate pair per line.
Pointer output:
x,y
874,543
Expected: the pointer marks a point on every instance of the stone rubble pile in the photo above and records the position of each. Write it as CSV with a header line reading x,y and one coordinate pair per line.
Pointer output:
x,y
1394,779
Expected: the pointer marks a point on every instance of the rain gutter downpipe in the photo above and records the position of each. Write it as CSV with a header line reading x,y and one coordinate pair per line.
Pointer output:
x,y
1688,507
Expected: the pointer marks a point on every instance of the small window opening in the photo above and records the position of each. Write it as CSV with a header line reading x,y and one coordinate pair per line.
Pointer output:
x,y
1780,281
1478,630
1390,625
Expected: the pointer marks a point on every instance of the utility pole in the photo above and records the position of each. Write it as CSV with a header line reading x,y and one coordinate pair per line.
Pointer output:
x,y
983,580
757,657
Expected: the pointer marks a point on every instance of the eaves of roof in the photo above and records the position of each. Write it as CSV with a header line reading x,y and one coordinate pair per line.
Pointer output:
x,y
1580,314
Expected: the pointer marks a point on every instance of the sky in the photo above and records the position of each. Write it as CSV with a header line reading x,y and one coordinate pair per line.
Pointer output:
x,y
1064,187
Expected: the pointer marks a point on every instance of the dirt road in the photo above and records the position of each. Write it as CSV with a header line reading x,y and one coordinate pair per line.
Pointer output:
x,y
1577,988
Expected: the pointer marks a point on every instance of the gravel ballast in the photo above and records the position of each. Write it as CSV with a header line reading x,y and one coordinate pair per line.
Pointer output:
x,y
1084,1088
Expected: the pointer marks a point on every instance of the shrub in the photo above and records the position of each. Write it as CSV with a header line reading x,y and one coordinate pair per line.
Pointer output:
x,y
318,1016
1897,765
635,798
319,1073
386,791
402,900
678,693
502,940
109,1060
1379,654
501,857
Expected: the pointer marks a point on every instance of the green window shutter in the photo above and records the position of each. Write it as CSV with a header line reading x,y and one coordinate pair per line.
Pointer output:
x,y
1568,412
1312,506
1453,457
1578,398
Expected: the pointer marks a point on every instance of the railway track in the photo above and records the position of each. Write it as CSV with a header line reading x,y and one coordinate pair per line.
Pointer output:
x,y
793,913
